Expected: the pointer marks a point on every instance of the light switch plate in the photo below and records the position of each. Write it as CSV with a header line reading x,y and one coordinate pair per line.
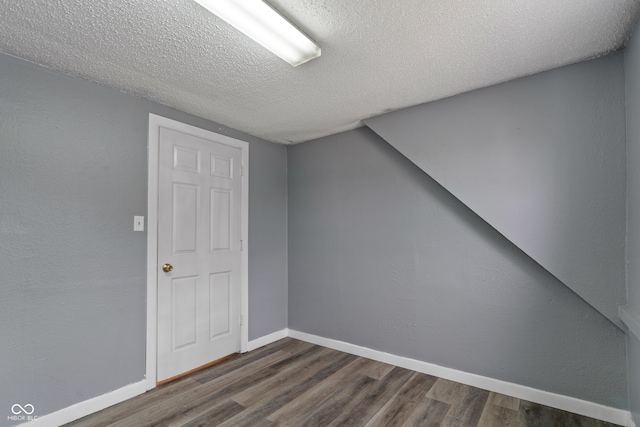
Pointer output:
x,y
138,223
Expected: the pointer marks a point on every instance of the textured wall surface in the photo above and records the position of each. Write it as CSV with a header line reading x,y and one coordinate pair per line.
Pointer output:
x,y
73,173
382,256
541,159
632,77
267,239
633,366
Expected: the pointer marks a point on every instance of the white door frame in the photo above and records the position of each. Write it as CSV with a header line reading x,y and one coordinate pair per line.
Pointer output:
x,y
155,123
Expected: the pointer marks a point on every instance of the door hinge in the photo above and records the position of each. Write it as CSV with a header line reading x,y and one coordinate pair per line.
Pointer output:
x,y
241,170
241,320
241,245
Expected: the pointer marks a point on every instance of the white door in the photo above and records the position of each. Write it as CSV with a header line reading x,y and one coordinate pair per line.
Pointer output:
x,y
199,212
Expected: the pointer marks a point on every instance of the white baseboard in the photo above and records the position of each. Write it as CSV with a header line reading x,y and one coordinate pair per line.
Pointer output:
x,y
267,339
570,404
82,409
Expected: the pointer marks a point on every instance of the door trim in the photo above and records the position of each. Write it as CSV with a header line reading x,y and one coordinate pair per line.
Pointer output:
x,y
155,123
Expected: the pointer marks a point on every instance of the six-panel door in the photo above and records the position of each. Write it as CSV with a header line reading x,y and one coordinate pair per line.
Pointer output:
x,y
200,188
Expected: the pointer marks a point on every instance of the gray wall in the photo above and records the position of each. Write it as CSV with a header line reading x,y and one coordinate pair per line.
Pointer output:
x,y
73,173
541,159
632,74
382,256
267,238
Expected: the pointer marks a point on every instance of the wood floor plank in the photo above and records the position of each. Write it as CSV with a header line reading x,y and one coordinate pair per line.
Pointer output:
x,y
445,391
368,367
561,418
503,400
294,357
297,346
213,416
276,400
375,369
498,416
337,403
467,409
288,395
240,360
428,413
404,402
294,372
534,415
360,366
312,397
365,406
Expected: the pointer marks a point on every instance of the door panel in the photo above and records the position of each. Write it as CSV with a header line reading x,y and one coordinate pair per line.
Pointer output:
x,y
220,212
199,201
183,311
185,217
220,292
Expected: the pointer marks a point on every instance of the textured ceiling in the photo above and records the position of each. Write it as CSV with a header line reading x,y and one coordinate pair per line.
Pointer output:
x,y
377,55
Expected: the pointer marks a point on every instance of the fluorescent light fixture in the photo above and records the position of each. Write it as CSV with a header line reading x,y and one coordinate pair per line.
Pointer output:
x,y
263,24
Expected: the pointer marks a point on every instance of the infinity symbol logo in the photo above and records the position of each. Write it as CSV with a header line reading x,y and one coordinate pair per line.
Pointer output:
x,y
27,409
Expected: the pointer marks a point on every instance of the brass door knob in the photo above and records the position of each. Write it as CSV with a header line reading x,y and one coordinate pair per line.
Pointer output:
x,y
167,268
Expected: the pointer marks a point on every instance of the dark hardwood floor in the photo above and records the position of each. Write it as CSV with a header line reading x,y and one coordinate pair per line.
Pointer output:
x,y
293,383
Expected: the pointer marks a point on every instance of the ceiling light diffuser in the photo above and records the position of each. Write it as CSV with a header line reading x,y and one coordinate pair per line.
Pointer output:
x,y
263,24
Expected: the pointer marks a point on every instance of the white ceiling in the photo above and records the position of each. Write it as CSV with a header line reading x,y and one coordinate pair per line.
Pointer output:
x,y
377,55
